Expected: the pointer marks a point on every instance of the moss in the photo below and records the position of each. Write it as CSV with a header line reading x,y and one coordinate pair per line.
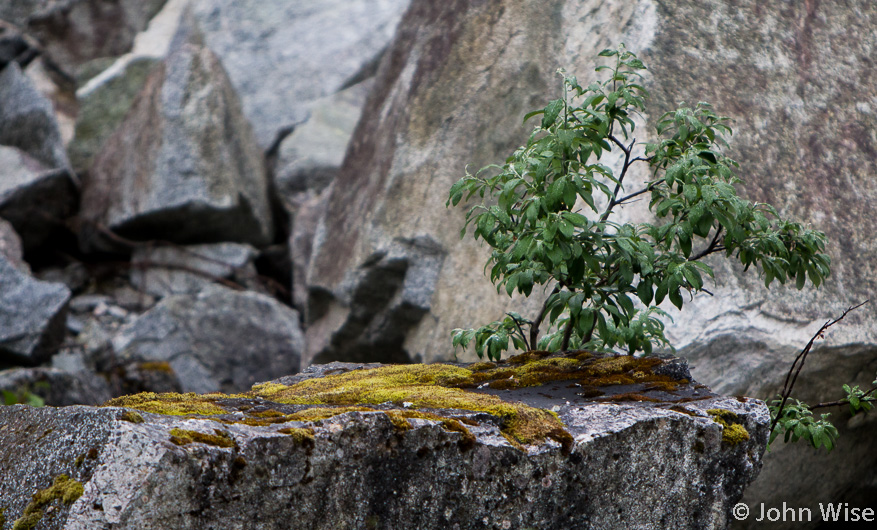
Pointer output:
x,y
427,387
2,517
219,439
171,404
733,432
400,419
420,385
301,436
157,366
64,489
133,417
477,367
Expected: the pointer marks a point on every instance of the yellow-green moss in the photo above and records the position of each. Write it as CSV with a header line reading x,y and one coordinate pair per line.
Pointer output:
x,y
302,436
133,417
428,386
219,439
64,489
420,385
477,367
732,431
171,404
157,366
2,517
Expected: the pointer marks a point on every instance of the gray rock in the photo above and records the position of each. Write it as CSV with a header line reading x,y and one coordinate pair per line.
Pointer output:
x,y
56,387
219,339
34,198
311,156
362,469
10,247
32,315
184,164
74,32
308,209
282,56
103,108
368,317
162,271
16,46
27,120
19,11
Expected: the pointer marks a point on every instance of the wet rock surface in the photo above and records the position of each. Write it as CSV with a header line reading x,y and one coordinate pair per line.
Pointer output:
x,y
394,465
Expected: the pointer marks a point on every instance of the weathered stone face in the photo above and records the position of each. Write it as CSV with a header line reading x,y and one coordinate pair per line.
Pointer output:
x,y
389,465
184,165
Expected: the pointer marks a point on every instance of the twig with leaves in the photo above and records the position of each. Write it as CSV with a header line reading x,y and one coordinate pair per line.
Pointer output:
x,y
796,419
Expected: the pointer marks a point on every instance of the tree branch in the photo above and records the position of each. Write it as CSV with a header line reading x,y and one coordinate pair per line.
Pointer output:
x,y
534,327
713,246
792,376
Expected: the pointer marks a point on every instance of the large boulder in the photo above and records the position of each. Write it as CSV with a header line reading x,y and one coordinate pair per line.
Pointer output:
x,y
282,56
218,339
451,91
37,190
399,447
184,165
34,198
32,316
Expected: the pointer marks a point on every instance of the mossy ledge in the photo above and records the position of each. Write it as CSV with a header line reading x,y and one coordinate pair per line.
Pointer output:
x,y
64,489
413,390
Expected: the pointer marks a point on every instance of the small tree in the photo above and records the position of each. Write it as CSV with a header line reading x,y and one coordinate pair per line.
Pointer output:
x,y
540,231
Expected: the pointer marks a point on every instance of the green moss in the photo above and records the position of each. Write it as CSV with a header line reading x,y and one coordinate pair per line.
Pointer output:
x,y
219,439
64,489
437,386
157,366
301,436
733,432
422,386
171,404
133,417
2,517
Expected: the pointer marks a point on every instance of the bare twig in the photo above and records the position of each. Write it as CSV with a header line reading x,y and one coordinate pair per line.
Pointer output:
x,y
798,364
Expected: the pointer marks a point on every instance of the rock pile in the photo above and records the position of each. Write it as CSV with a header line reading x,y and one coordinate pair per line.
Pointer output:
x,y
188,184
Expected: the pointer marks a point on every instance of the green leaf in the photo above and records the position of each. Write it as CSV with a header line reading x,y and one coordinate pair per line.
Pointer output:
x,y
552,110
676,298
